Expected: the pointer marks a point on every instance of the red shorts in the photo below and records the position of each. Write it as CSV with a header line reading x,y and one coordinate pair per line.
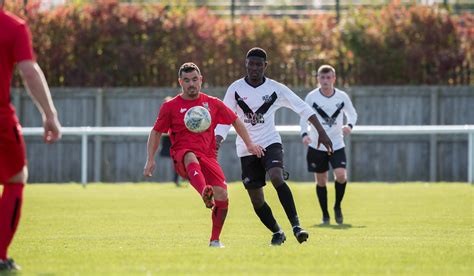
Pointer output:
x,y
12,151
210,168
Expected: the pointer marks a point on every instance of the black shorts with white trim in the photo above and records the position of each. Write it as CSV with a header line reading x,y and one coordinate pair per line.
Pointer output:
x,y
254,169
318,160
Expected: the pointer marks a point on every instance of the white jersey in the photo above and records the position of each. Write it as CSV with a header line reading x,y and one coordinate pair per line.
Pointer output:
x,y
329,111
256,107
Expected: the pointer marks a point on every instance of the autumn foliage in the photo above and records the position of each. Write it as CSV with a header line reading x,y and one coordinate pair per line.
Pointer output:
x,y
112,44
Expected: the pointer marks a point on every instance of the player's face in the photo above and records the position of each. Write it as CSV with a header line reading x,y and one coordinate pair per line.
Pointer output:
x,y
191,83
255,68
327,80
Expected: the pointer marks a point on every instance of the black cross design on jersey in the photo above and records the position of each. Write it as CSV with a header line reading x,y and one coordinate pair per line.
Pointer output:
x,y
257,117
329,120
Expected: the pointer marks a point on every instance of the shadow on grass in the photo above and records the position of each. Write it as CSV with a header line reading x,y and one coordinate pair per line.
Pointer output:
x,y
343,226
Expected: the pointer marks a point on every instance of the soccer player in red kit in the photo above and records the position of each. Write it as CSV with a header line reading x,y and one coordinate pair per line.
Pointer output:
x,y
16,48
194,154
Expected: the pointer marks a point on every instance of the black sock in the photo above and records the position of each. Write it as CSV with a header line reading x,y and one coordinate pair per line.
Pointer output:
x,y
322,193
340,189
286,199
266,216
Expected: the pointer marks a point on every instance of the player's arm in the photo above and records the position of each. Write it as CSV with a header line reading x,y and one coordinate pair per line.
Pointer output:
x,y
38,89
162,125
351,116
323,138
304,128
304,110
243,133
219,140
152,147
221,131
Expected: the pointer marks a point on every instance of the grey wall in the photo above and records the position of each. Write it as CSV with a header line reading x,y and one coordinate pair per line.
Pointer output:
x,y
387,158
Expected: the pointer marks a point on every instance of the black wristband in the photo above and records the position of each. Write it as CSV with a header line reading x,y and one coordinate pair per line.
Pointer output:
x,y
351,126
304,134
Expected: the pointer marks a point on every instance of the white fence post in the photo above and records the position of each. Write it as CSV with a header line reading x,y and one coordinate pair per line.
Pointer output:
x,y
84,160
434,137
470,162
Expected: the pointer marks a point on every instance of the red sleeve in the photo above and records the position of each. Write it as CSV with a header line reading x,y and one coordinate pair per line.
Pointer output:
x,y
163,122
23,48
225,115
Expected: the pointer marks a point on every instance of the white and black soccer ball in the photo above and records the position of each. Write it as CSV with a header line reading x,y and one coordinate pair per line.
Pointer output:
x,y
197,119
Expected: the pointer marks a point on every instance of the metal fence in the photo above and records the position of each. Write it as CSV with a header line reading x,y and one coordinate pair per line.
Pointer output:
x,y
405,157
284,8
86,132
303,8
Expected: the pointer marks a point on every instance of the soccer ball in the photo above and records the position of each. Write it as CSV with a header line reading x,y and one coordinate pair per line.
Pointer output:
x,y
197,119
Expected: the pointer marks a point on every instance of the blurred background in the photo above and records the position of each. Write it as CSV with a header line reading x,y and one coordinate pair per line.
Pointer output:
x,y
111,63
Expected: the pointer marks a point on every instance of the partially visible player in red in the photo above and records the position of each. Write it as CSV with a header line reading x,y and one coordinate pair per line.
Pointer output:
x,y
16,48
194,154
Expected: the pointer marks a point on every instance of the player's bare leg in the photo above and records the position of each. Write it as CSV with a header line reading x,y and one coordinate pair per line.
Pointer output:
x,y
20,177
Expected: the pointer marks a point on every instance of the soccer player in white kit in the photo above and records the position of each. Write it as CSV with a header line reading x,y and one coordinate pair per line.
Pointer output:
x,y
330,104
255,99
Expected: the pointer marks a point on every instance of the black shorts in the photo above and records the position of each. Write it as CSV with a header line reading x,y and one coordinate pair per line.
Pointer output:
x,y
254,169
318,161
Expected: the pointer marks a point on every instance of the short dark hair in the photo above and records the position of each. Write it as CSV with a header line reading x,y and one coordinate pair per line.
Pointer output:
x,y
257,52
326,69
188,67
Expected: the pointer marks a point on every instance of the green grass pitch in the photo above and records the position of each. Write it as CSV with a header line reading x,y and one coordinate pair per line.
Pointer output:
x,y
410,228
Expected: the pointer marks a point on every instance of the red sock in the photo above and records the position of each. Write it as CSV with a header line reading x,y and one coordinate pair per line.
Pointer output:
x,y
195,176
219,213
10,211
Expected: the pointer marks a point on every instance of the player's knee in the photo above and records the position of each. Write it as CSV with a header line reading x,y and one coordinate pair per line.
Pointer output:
x,y
341,178
277,182
321,179
340,175
20,177
220,193
276,178
257,201
189,158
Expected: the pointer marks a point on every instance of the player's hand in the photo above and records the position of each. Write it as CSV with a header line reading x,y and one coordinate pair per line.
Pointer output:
x,y
346,130
257,150
52,129
306,140
149,168
219,140
324,139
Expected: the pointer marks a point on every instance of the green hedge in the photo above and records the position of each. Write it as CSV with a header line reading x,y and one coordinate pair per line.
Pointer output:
x,y
112,44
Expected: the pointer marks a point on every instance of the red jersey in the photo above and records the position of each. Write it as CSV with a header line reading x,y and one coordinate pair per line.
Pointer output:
x,y
171,120
15,46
